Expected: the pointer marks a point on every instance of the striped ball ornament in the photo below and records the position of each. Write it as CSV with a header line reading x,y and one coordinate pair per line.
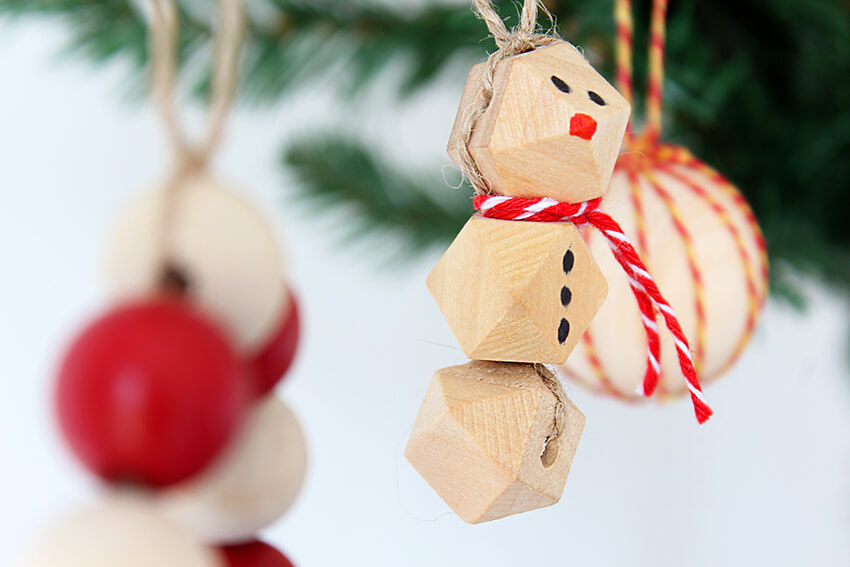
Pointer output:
x,y
702,244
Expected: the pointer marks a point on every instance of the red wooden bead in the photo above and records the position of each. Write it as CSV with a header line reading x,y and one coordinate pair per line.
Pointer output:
x,y
254,554
270,364
150,393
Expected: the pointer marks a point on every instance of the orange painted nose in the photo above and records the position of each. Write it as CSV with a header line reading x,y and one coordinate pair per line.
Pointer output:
x,y
583,126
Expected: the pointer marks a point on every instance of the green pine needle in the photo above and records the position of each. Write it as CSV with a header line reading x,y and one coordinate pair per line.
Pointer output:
x,y
338,172
757,90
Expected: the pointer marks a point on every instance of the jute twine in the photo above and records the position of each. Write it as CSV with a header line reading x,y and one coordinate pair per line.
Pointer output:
x,y
551,381
190,158
522,38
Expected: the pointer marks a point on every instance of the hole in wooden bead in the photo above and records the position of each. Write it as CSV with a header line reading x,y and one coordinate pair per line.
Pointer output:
x,y
550,453
174,280
563,331
569,261
566,296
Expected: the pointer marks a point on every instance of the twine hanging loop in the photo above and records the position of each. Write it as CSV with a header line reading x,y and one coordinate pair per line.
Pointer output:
x,y
190,158
163,39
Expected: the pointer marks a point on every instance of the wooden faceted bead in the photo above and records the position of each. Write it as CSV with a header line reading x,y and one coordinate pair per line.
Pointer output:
x,y
480,436
251,486
553,128
219,247
517,291
116,533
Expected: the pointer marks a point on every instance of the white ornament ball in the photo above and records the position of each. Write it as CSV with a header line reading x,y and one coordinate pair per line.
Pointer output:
x,y
251,486
218,242
117,533
711,267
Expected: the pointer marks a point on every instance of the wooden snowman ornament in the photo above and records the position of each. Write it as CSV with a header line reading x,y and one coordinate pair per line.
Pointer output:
x,y
497,436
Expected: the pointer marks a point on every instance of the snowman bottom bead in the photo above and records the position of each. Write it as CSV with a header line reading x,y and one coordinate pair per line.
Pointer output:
x,y
493,440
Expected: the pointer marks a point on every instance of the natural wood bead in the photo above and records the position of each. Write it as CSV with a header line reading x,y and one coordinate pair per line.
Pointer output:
x,y
251,486
220,244
118,532
480,436
553,128
517,291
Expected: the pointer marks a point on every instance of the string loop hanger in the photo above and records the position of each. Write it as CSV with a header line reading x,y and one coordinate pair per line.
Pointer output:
x,y
190,158
522,38
163,40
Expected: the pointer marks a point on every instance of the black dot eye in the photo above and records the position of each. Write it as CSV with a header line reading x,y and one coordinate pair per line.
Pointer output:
x,y
596,98
562,86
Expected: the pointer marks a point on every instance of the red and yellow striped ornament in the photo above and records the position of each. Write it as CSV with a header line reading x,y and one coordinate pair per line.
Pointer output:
x,y
698,237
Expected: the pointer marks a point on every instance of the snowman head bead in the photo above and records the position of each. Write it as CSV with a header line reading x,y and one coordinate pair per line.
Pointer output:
x,y
553,127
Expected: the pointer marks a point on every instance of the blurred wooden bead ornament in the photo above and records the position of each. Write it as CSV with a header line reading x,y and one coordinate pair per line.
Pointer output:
x,y
117,532
495,439
150,392
254,554
253,483
219,248
155,391
699,237
270,363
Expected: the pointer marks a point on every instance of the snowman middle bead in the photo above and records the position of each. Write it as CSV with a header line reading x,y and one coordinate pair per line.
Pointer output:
x,y
527,291
516,291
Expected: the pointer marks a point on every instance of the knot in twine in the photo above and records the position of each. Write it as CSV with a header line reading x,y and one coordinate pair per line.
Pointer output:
x,y
520,39
646,292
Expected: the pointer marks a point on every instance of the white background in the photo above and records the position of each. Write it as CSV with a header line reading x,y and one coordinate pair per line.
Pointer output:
x,y
766,482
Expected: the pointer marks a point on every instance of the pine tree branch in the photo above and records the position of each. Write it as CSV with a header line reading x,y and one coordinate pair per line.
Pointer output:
x,y
288,42
758,91
337,172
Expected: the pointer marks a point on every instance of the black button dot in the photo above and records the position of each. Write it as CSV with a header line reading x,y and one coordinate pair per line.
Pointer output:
x,y
563,331
596,98
569,261
562,86
566,296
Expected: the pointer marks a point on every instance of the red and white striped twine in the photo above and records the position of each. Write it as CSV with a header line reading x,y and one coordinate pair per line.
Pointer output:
x,y
649,298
